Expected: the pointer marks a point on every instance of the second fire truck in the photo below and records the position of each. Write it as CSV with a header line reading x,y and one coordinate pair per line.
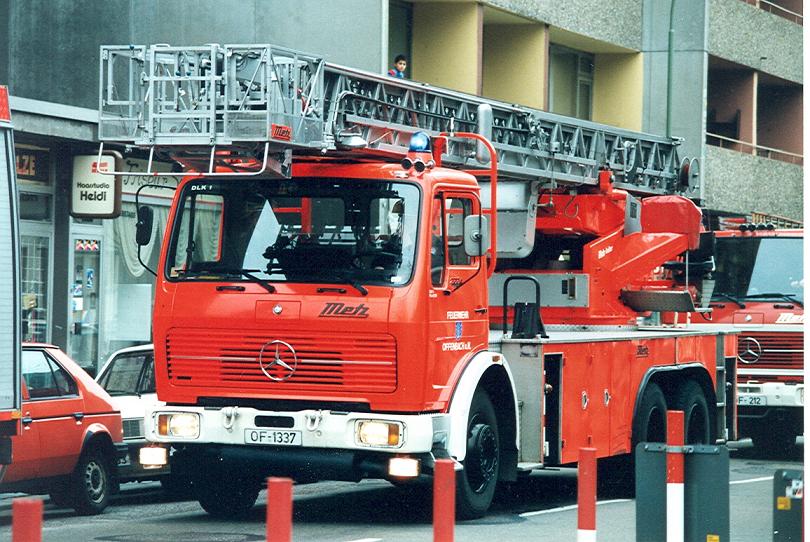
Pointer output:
x,y
759,290
362,274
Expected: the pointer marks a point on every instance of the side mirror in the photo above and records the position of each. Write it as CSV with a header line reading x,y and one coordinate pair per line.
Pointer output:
x,y
143,229
476,235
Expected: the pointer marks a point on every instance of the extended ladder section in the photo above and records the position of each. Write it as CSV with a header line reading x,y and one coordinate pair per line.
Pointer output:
x,y
239,99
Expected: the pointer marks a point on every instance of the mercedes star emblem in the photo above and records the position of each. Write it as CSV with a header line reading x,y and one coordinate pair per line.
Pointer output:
x,y
284,361
750,350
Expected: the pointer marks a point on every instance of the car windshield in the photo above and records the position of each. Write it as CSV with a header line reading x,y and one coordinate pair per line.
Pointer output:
x,y
759,268
349,232
129,374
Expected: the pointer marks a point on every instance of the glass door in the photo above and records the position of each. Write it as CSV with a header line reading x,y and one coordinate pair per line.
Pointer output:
x,y
35,251
83,295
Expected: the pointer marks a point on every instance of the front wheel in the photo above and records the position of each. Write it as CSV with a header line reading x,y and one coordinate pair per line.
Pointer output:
x,y
475,486
91,483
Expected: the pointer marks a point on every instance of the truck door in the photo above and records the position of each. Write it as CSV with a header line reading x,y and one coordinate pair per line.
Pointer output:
x,y
458,319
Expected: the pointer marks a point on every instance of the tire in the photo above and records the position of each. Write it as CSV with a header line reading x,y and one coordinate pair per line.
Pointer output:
x,y
91,483
476,482
696,420
616,476
227,496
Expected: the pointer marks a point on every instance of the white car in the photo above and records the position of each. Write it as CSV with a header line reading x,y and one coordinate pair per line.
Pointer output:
x,y
128,376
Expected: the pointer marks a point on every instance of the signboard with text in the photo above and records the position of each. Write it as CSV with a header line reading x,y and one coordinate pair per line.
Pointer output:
x,y
93,194
33,164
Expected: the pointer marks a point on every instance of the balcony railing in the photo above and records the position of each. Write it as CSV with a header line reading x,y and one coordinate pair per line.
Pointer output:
x,y
776,9
757,150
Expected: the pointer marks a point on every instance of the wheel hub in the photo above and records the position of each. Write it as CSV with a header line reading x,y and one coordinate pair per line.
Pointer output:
x,y
94,481
482,456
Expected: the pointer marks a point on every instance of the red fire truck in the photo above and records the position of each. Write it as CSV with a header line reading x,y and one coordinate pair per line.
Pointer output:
x,y
759,289
10,338
362,274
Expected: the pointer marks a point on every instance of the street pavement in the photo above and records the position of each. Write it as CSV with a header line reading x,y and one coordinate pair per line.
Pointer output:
x,y
542,507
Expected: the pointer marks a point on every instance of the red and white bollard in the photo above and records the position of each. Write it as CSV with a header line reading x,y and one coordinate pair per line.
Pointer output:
x,y
26,520
279,510
675,476
586,495
444,500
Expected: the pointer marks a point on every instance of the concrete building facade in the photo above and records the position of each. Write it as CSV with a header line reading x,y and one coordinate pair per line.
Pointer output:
x,y
736,100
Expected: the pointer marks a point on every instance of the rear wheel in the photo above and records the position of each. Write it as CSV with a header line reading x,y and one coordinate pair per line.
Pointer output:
x,y
697,424
475,487
616,475
91,483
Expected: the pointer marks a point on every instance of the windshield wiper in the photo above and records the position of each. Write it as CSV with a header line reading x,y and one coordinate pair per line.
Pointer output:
x,y
247,273
777,295
729,297
353,283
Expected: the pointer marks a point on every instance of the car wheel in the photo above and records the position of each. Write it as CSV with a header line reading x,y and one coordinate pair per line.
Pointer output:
x,y
91,483
476,482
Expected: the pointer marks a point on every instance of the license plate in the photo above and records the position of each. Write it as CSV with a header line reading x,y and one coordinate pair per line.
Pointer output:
x,y
273,437
752,400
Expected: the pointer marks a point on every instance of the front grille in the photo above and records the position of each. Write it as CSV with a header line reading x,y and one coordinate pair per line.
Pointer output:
x,y
364,362
133,428
779,351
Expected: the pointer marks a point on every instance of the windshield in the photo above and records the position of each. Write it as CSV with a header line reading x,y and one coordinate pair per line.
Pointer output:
x,y
303,230
130,374
759,267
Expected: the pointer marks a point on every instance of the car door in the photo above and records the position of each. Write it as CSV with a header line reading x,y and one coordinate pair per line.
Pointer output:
x,y
25,447
54,411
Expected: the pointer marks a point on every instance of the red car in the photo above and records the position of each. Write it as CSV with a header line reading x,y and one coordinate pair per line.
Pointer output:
x,y
71,435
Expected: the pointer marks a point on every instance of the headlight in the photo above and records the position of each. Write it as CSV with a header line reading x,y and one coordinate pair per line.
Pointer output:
x,y
378,433
179,424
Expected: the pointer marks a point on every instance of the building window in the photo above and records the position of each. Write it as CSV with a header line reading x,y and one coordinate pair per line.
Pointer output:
x,y
570,81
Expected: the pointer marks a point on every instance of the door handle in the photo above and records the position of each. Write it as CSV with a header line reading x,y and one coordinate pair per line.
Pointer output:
x,y
79,416
480,310
26,419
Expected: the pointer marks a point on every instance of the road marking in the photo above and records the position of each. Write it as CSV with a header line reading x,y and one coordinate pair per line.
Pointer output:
x,y
366,540
566,508
750,480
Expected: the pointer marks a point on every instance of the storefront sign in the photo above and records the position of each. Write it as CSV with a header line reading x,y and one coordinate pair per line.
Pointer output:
x,y
33,165
94,194
155,186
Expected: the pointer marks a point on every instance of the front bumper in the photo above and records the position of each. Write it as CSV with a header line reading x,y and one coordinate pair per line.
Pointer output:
x,y
325,441
770,395
129,467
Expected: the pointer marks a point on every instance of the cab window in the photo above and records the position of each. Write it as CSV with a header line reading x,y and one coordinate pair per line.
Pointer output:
x,y
44,377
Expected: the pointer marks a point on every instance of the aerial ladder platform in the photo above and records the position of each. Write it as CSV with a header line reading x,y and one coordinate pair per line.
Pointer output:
x,y
207,105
